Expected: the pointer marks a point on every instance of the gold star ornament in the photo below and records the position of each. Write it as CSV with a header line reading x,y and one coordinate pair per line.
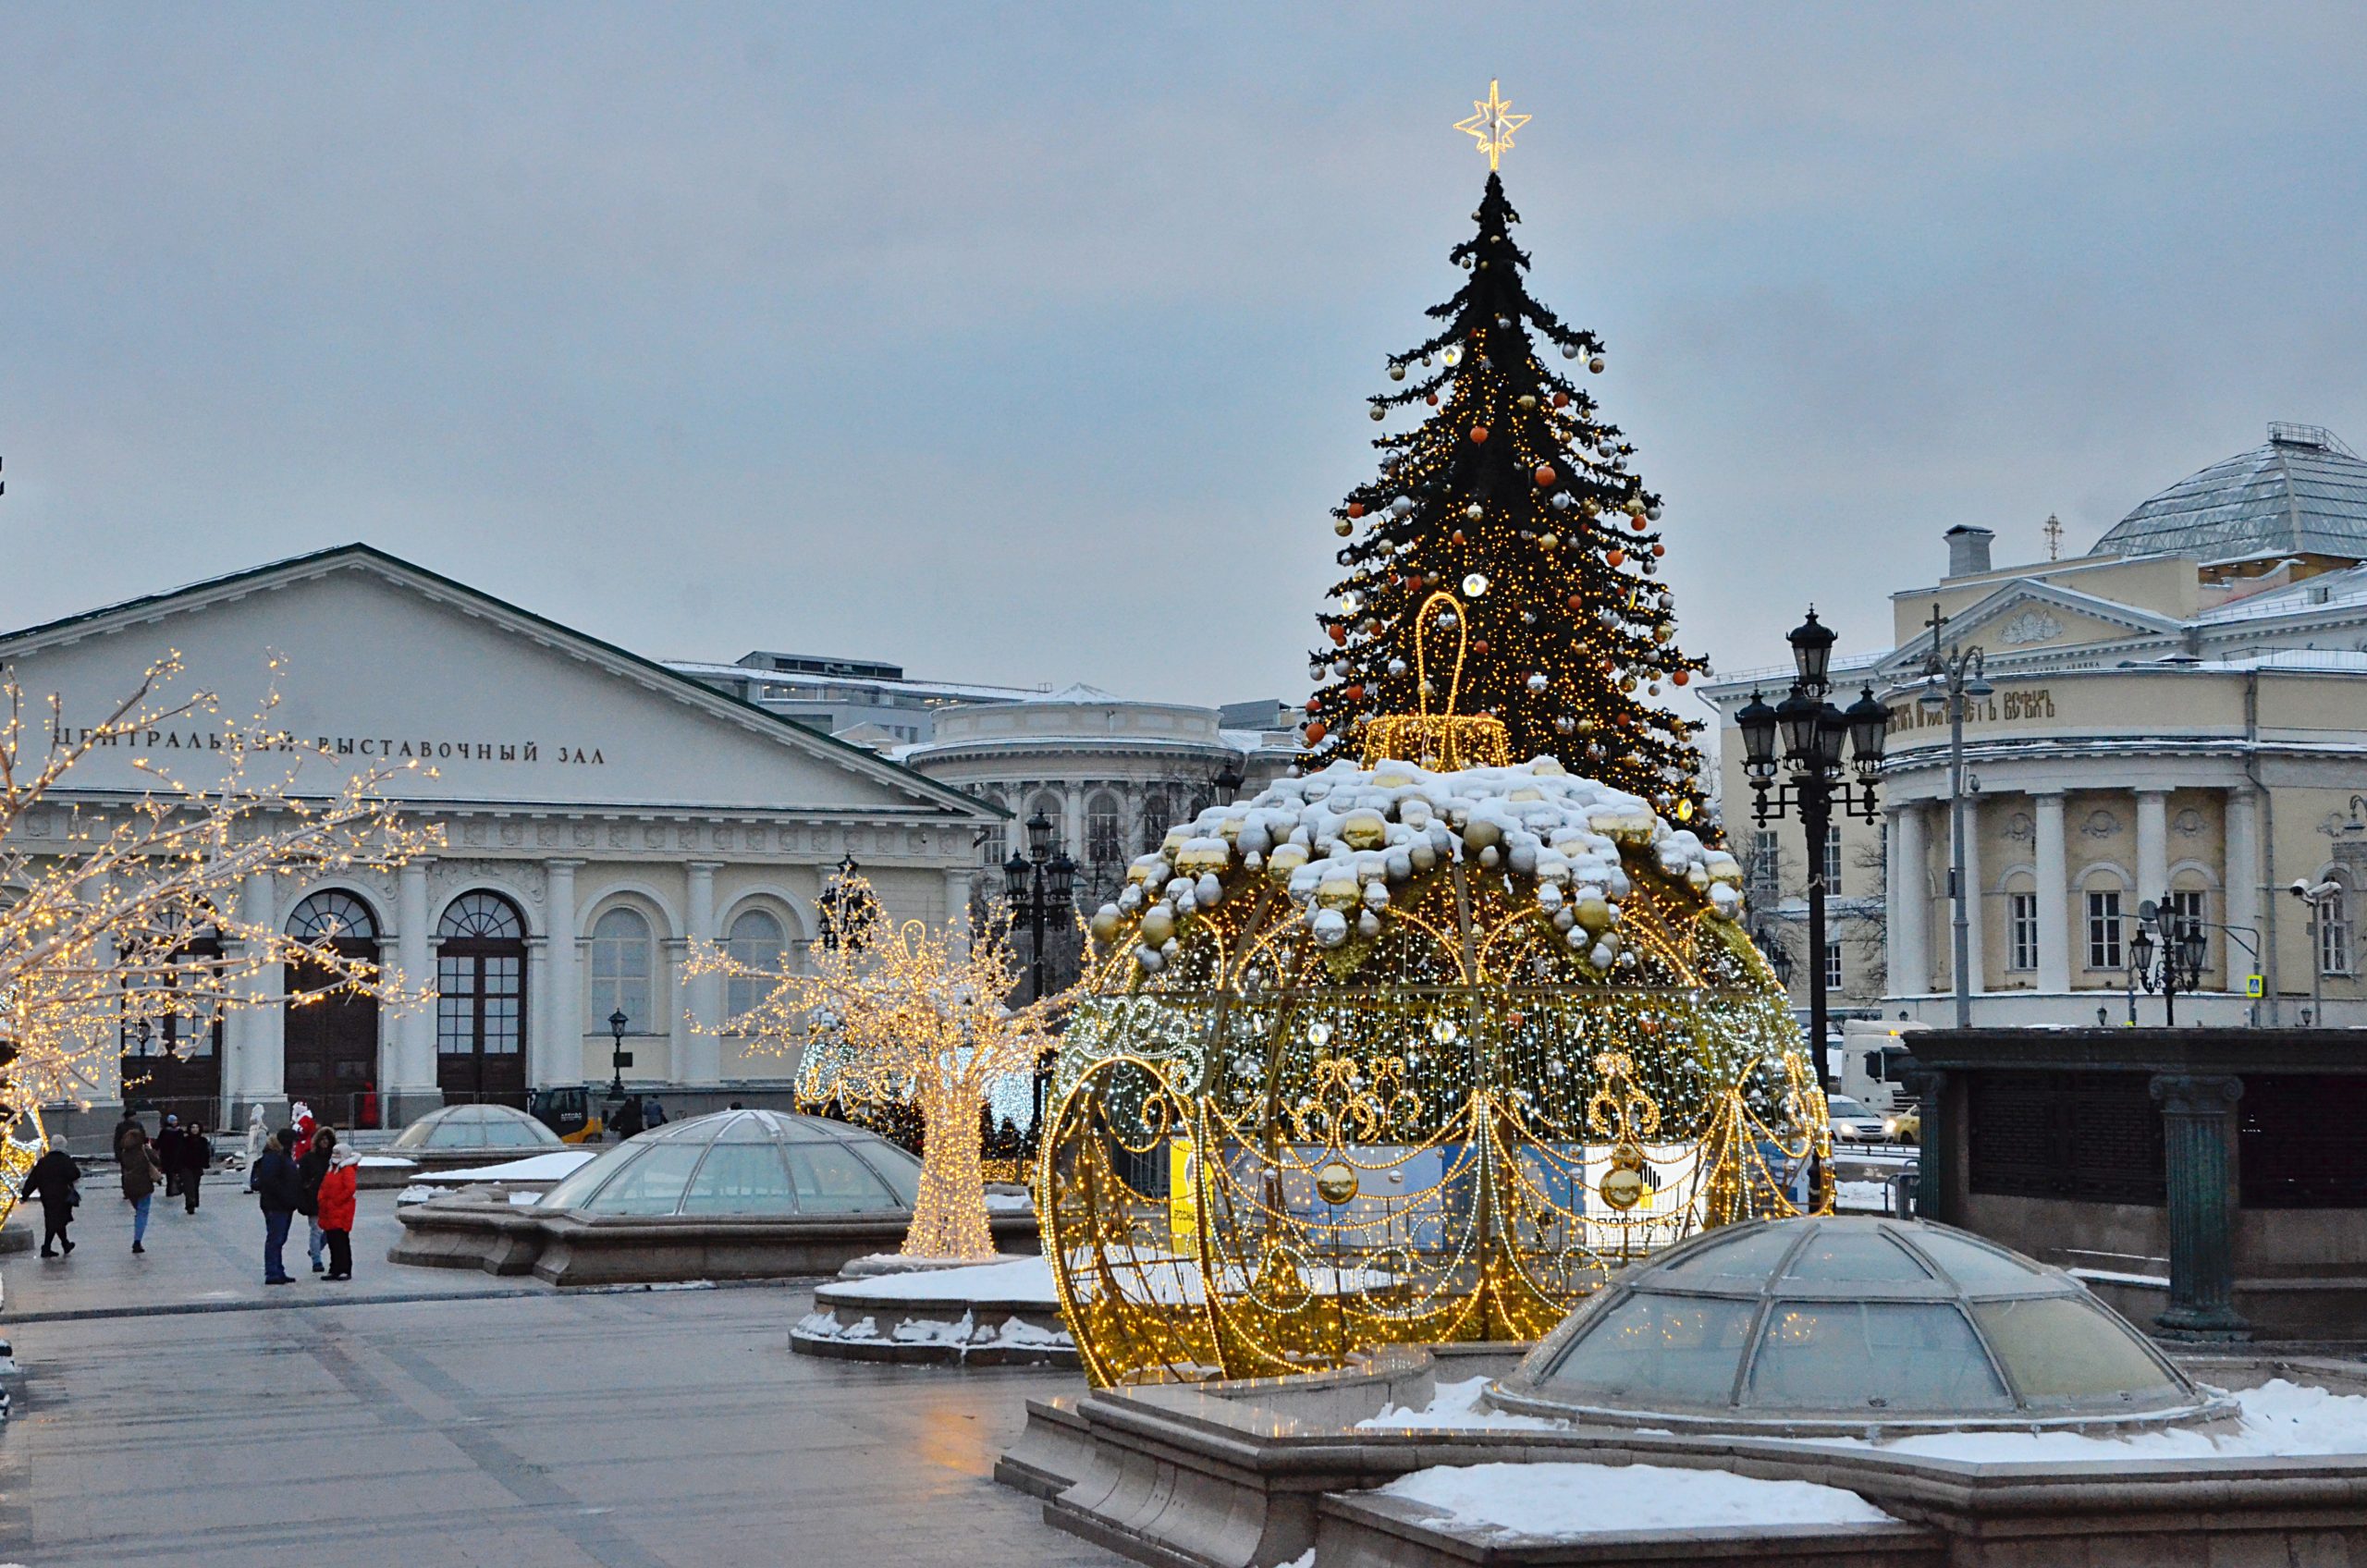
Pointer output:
x,y
1492,124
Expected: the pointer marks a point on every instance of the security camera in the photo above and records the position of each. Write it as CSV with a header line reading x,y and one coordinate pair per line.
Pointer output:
x,y
2311,892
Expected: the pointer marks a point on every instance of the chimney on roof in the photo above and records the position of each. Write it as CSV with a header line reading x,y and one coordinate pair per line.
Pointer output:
x,y
1969,550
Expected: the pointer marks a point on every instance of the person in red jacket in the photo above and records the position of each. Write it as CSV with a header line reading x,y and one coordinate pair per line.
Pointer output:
x,y
333,1210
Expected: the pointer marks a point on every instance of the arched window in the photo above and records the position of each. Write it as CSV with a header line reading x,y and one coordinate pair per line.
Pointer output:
x,y
1155,821
332,915
481,997
755,940
1105,830
622,965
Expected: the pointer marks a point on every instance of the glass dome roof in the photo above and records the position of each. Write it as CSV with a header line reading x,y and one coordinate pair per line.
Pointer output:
x,y
476,1127
1840,1323
745,1163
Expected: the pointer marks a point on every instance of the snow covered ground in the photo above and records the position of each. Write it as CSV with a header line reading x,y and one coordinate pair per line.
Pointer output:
x,y
1018,1279
551,1167
2281,1420
1565,1500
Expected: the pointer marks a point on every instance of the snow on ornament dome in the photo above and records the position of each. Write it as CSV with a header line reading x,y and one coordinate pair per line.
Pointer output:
x,y
1392,1053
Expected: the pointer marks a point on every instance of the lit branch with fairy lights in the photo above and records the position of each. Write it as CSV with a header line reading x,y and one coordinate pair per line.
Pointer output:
x,y
124,912
1516,494
904,1015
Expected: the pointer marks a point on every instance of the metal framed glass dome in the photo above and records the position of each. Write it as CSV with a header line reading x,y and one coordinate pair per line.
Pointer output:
x,y
1833,1325
476,1127
747,1164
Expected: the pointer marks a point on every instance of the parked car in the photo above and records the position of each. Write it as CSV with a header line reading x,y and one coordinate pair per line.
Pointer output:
x,y
1852,1122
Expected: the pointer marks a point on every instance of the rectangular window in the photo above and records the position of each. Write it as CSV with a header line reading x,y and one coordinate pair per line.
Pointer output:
x,y
2104,929
1832,966
2187,913
2021,920
1833,860
2333,934
1765,868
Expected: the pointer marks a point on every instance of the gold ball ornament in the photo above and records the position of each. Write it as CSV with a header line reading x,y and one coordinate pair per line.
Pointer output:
x,y
1335,1182
1552,541
1621,1188
1342,528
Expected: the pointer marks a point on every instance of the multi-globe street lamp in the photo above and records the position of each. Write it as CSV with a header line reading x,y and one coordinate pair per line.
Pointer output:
x,y
1037,883
1814,734
2171,964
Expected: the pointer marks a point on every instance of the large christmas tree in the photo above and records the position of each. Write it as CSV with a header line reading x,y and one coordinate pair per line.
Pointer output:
x,y
1514,497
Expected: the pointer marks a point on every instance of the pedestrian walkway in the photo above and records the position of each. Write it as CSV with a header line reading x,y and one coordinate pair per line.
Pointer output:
x,y
208,1261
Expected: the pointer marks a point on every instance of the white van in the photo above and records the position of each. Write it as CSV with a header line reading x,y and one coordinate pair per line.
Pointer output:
x,y
1874,1058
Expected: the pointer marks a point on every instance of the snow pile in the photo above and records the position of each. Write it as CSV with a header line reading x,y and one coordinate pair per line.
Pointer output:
x,y
1563,1500
1026,1280
551,1166
388,1162
1458,1405
2281,1420
1340,839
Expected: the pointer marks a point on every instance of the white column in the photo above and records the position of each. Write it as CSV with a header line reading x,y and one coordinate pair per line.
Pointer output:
x,y
263,1074
106,1078
698,1053
2053,896
1976,962
560,1003
1072,834
411,1070
1910,903
2243,878
2153,845
957,896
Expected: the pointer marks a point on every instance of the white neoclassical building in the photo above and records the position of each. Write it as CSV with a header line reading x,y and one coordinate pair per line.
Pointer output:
x,y
2179,717
600,813
1110,773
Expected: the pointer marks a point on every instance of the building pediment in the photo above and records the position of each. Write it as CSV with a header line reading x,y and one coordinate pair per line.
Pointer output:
x,y
2027,617
386,664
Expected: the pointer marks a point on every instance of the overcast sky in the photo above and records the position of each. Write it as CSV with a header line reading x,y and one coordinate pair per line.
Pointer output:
x,y
1031,343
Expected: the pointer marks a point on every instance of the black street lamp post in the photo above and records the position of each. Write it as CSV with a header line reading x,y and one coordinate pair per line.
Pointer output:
x,y
2171,964
619,1058
1814,734
1042,880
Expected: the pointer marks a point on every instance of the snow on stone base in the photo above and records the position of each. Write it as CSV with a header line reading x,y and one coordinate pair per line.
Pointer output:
x,y
1562,1502
946,1340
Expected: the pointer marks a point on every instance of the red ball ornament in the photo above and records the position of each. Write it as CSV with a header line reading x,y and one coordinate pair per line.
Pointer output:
x,y
1357,692
1315,733
1458,537
1478,434
1340,634
1478,644
1315,704
1660,549
1431,398
1356,508
1681,677
1413,583
1616,557
1577,603
1561,399
1637,522
1546,476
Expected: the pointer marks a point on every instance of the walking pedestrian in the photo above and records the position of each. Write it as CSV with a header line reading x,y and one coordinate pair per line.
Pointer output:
x,y
56,1180
365,1116
196,1159
311,1170
258,1135
275,1180
655,1115
334,1208
140,1174
167,1145
125,1128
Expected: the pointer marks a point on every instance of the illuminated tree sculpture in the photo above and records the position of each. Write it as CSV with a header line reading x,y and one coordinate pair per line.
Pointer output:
x,y
914,1016
1515,495
115,916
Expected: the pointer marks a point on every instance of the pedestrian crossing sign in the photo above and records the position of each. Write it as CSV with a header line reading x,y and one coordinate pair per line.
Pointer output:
x,y
2252,987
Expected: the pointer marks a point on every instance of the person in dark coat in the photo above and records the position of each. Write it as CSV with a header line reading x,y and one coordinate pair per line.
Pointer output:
x,y
125,1128
140,1174
196,1152
55,1179
311,1167
168,1146
279,1186
628,1117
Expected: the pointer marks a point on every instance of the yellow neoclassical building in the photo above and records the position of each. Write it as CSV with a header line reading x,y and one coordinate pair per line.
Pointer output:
x,y
2177,716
